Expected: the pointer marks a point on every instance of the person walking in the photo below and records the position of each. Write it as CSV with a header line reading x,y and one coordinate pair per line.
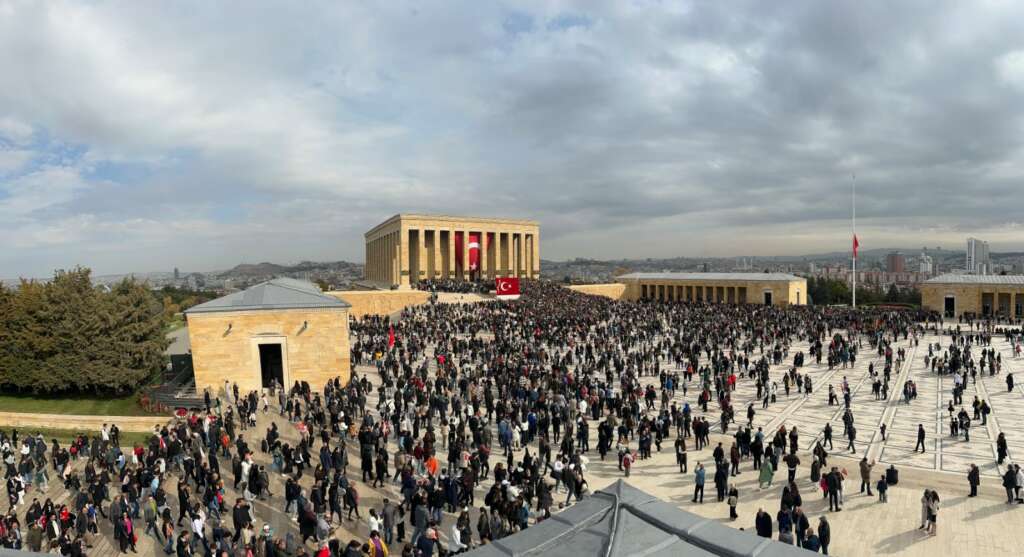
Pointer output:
x,y
924,509
765,474
721,481
824,534
681,453
974,479
801,524
933,513
698,482
883,490
920,438
833,480
734,499
763,523
1009,483
865,475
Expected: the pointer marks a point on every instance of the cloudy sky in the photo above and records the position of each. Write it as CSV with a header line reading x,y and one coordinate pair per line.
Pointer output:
x,y
143,135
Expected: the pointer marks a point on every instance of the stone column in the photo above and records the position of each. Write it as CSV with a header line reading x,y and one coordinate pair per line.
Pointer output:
x,y
381,258
517,247
388,254
485,266
404,258
386,258
499,251
372,260
465,255
451,254
396,258
376,259
366,259
536,254
421,256
435,272
529,256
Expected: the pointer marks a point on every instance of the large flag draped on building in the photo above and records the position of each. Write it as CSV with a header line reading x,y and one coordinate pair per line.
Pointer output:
x,y
474,252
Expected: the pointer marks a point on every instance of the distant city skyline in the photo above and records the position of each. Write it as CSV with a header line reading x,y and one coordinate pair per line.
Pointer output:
x,y
627,129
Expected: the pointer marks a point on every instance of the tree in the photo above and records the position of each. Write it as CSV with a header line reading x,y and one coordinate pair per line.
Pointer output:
x,y
66,336
136,337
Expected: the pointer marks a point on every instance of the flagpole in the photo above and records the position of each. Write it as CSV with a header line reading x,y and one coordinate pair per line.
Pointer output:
x,y
854,197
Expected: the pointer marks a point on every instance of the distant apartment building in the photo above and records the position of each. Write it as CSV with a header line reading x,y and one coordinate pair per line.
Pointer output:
x,y
895,262
874,279
926,265
977,257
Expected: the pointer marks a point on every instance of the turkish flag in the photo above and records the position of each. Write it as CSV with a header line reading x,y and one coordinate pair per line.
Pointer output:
x,y
474,252
391,337
506,287
856,245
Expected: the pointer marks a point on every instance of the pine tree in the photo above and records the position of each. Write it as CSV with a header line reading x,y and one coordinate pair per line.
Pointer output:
x,y
66,336
137,336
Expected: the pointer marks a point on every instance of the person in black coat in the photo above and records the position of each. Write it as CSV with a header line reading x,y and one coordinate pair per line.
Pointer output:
x,y
832,480
824,534
974,478
763,524
801,524
240,516
721,478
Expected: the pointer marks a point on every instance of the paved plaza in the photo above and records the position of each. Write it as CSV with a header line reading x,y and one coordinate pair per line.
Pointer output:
x,y
865,527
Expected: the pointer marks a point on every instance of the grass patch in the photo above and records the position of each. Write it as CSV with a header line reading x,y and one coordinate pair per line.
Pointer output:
x,y
72,404
64,436
176,322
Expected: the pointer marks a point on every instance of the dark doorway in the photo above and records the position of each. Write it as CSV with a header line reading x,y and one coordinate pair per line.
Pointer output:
x,y
767,298
949,310
271,366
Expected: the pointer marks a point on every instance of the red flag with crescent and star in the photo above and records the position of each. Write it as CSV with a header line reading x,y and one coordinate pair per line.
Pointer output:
x,y
856,245
506,287
474,252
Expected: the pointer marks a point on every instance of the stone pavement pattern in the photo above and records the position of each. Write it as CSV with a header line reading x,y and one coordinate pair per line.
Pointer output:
x,y
864,527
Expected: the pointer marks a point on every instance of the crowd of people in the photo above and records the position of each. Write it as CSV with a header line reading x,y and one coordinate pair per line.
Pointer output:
x,y
476,423
456,286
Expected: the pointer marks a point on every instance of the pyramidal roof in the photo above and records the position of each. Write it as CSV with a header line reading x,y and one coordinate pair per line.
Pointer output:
x,y
622,520
279,293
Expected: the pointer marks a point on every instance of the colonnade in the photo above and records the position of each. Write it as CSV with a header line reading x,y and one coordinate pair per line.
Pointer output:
x,y
696,293
402,255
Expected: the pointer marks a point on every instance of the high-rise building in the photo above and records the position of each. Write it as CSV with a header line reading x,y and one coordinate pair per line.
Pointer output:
x,y
176,274
977,256
895,262
926,264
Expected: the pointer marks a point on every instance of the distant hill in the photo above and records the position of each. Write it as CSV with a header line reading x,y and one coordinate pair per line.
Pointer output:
x,y
245,270
256,270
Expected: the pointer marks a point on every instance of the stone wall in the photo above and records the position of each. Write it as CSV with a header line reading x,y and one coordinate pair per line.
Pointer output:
x,y
380,302
967,297
615,291
225,346
91,424
783,292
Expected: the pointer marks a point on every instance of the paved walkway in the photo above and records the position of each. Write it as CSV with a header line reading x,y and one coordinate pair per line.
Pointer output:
x,y
865,527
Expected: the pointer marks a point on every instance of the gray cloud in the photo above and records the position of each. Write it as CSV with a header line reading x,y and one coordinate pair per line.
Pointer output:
x,y
140,136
